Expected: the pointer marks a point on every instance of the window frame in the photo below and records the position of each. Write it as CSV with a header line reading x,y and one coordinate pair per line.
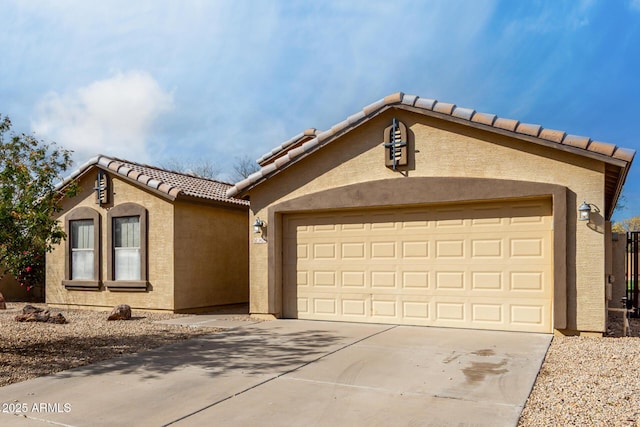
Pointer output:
x,y
127,210
78,214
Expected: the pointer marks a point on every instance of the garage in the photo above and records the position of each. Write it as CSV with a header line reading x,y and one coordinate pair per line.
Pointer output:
x,y
478,266
419,212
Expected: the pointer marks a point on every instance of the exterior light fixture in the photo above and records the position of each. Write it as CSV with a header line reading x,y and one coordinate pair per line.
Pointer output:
x,y
584,211
257,225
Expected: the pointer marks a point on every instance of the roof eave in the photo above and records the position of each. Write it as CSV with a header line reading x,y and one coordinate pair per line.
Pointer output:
x,y
188,198
622,178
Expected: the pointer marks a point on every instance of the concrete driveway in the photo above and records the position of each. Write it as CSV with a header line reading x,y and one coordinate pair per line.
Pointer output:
x,y
296,373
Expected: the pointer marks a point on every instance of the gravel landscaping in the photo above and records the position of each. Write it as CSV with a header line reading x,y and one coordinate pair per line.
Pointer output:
x,y
32,349
583,381
588,381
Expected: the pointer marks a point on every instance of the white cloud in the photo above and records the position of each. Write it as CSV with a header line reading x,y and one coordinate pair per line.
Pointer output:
x,y
114,116
635,5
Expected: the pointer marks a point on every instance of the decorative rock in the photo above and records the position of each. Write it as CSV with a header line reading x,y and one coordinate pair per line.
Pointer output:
x,y
35,314
120,312
29,309
3,304
59,319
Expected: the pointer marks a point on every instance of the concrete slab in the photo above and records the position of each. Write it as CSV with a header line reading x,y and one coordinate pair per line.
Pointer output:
x,y
222,321
291,372
287,402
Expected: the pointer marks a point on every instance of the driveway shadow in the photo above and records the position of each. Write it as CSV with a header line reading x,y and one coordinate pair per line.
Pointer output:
x,y
249,351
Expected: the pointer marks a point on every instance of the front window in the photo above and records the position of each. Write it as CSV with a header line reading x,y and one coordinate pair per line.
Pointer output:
x,y
82,249
126,248
127,243
82,246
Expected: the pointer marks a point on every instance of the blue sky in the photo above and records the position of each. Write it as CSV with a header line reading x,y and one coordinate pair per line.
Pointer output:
x,y
150,81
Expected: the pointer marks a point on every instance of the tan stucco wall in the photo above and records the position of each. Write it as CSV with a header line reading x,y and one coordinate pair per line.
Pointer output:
x,y
160,248
444,149
211,256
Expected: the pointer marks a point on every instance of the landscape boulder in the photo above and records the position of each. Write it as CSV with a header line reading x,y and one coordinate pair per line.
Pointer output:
x,y
3,304
120,312
36,314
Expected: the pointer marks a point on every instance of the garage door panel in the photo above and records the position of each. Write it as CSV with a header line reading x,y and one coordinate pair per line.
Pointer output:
x,y
416,311
492,313
487,281
450,248
415,249
353,279
383,250
531,281
486,266
355,307
449,280
487,248
418,281
353,250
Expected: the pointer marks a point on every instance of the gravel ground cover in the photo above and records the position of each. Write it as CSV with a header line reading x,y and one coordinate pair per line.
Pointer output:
x,y
31,349
588,381
583,381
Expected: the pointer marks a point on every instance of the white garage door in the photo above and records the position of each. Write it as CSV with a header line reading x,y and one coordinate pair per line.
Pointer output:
x,y
481,266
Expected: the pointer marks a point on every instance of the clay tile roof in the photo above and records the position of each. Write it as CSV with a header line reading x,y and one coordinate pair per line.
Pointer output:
x,y
171,183
304,143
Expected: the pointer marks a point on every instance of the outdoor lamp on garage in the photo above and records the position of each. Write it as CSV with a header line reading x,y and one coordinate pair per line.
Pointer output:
x,y
257,225
584,211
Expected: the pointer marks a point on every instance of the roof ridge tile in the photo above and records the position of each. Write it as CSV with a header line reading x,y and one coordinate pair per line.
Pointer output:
x,y
444,107
506,124
468,114
409,100
165,181
552,135
425,103
576,141
394,98
463,113
625,154
484,118
528,129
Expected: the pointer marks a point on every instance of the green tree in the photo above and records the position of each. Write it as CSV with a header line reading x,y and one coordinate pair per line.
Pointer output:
x,y
29,170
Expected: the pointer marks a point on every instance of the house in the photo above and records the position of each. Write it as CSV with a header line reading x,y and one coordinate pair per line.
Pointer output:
x,y
414,211
150,238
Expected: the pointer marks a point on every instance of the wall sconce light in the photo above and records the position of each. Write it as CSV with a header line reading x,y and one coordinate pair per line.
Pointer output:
x,y
257,225
584,212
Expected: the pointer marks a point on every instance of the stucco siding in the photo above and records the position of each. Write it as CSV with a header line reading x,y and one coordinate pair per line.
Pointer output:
x,y
444,149
211,256
159,253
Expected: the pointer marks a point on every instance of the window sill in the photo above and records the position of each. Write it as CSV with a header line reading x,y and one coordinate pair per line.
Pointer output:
x,y
127,285
81,285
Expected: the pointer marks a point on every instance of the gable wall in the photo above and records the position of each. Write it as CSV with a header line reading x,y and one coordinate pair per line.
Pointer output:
x,y
159,254
444,149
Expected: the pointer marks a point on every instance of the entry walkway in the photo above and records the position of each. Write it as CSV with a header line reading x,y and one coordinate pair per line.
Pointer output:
x,y
293,373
